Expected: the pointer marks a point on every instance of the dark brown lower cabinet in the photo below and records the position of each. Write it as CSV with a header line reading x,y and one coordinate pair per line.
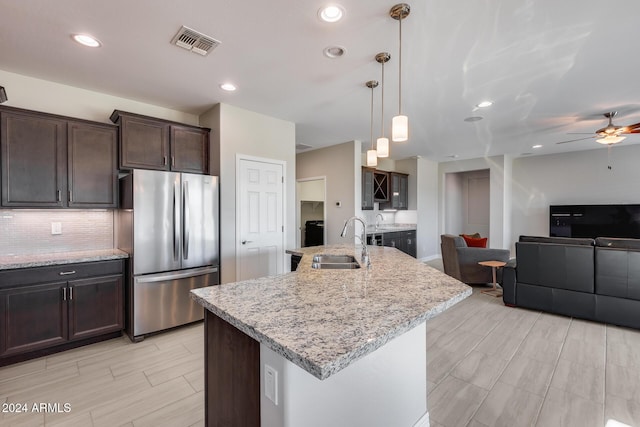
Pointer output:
x,y
402,240
49,309
33,317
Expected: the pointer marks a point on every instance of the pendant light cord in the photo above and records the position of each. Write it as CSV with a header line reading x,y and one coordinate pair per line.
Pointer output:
x,y
400,71
382,106
372,117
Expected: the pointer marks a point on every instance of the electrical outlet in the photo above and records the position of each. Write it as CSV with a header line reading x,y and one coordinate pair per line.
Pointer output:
x,y
56,228
271,384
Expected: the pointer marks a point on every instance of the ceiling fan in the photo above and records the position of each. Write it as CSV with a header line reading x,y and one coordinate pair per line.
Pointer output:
x,y
610,134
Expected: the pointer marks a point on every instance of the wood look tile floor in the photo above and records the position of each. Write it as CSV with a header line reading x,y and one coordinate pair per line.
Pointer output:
x,y
487,365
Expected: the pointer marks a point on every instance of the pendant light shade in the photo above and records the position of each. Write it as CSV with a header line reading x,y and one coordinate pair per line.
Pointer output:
x,y
382,144
400,123
372,154
400,128
372,158
382,147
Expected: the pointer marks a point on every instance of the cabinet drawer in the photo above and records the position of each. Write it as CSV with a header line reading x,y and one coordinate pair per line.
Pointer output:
x,y
33,275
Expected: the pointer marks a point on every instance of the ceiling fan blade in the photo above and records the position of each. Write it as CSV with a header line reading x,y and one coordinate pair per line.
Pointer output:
x,y
579,139
635,128
579,133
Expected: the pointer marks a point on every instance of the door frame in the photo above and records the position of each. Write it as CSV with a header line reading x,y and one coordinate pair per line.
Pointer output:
x,y
299,208
283,164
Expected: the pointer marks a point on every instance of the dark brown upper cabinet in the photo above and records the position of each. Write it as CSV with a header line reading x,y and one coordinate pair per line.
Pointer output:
x,y
150,143
51,161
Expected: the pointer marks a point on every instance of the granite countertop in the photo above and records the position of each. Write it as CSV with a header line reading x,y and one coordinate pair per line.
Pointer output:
x,y
389,228
324,320
59,258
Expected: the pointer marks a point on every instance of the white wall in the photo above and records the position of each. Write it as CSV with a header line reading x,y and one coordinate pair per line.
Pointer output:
x,y
341,166
579,177
248,133
54,98
500,172
427,207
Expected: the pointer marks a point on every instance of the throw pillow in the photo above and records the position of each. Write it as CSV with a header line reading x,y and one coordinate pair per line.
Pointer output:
x,y
474,242
474,235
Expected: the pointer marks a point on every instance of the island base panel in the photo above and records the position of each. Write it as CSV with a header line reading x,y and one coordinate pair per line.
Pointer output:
x,y
232,375
387,387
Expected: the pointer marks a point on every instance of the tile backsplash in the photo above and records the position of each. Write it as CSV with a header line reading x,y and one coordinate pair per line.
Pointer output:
x,y
24,232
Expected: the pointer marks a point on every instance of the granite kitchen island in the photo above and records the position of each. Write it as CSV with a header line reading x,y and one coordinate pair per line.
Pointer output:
x,y
320,347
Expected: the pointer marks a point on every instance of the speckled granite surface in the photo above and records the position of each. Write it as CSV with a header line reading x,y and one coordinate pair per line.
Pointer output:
x,y
324,320
59,258
390,228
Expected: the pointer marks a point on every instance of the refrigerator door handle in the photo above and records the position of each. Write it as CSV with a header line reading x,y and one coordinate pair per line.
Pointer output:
x,y
176,230
161,277
186,220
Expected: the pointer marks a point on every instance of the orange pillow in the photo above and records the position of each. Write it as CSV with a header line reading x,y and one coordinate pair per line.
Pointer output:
x,y
474,242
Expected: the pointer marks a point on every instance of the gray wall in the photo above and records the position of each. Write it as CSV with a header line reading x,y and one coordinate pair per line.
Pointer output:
x,y
241,132
341,165
579,177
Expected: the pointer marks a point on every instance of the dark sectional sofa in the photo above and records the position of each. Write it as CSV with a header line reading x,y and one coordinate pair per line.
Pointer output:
x,y
596,279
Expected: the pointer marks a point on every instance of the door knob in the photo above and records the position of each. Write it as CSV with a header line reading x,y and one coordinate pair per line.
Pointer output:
x,y
244,242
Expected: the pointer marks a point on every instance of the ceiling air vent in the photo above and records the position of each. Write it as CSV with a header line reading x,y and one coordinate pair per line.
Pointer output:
x,y
194,41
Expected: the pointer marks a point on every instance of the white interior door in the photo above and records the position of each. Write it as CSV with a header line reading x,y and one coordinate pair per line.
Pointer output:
x,y
260,249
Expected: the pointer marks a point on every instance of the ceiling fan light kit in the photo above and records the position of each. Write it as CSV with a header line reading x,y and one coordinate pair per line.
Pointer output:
x,y
611,139
400,123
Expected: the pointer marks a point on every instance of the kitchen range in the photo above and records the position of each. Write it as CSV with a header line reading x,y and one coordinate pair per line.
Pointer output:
x,y
168,223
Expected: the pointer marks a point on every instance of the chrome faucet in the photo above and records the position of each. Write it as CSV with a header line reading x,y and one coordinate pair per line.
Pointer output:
x,y
363,238
381,217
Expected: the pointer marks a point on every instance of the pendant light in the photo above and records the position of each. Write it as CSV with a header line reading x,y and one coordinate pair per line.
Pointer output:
x,y
382,144
372,155
400,123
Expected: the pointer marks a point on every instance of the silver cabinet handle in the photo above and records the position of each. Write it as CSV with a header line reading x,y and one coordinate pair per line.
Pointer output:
x,y
66,273
70,196
64,294
70,293
58,196
164,160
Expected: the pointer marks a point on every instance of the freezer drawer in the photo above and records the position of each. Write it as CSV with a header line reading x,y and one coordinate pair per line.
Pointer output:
x,y
162,301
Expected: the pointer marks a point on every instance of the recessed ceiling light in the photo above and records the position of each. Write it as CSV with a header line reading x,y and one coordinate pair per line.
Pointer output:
x,y
87,40
473,119
334,51
229,87
331,13
537,146
484,104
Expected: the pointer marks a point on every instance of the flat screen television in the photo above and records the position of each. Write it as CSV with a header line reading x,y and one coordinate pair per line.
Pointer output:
x,y
594,221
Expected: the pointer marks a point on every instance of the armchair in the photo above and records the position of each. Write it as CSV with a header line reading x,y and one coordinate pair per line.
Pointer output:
x,y
461,261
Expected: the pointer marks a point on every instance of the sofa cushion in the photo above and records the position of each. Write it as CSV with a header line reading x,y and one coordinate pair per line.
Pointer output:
x,y
556,266
617,272
473,242
612,242
558,240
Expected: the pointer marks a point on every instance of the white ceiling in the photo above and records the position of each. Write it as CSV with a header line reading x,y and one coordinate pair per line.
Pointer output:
x,y
551,67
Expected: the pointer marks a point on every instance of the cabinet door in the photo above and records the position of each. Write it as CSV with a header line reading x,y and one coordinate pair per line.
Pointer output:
x,y
92,165
95,306
33,155
367,188
411,246
404,192
144,143
189,149
32,317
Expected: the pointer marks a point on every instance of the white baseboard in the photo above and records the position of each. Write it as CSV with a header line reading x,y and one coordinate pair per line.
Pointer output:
x,y
430,258
423,422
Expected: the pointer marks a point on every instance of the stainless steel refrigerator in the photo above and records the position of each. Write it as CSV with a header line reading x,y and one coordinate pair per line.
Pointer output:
x,y
168,223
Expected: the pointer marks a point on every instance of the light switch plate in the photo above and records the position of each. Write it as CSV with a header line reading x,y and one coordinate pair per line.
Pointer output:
x,y
271,384
56,228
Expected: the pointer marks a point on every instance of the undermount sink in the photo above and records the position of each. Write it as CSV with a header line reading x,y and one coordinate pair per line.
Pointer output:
x,y
334,262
